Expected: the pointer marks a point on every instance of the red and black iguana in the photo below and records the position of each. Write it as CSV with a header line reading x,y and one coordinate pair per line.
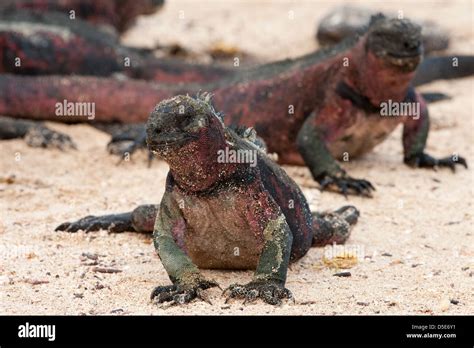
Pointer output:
x,y
245,213
110,15
310,111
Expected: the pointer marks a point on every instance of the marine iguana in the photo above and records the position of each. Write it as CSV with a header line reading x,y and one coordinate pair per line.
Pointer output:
x,y
117,14
46,43
351,20
51,43
347,20
310,110
222,214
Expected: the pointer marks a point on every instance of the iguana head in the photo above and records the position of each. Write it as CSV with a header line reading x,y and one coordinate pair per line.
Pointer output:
x,y
385,59
395,41
187,133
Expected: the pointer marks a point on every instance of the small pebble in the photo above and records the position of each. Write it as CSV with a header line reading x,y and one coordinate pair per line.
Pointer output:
x,y
342,274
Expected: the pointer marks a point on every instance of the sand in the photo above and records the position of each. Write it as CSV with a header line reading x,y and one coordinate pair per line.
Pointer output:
x,y
414,242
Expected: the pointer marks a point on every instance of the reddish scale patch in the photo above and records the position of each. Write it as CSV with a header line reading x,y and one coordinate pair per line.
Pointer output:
x,y
259,102
121,101
144,216
170,77
331,117
375,78
57,55
119,14
73,53
181,73
233,216
203,171
259,210
179,233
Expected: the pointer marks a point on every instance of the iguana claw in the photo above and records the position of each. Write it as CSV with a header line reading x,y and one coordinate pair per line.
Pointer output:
x,y
424,160
181,294
270,292
345,184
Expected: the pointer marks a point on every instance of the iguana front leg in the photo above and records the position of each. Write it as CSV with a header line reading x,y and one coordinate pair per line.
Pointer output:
x,y
415,134
188,283
323,166
127,140
35,133
270,276
141,219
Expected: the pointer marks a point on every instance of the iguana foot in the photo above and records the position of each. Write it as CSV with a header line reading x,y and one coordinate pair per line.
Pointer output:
x,y
181,294
270,292
44,137
127,142
334,227
346,185
112,223
424,160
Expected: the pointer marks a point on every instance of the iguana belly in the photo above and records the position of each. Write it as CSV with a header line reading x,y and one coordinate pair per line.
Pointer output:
x,y
221,232
363,134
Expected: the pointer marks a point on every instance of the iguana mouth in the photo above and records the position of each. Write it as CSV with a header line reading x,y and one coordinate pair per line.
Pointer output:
x,y
404,62
171,143
404,55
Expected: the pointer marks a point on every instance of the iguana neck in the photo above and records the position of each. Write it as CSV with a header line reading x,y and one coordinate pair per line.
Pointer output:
x,y
198,177
196,168
372,78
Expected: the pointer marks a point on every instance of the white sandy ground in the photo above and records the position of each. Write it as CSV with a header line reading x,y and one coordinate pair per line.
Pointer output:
x,y
414,240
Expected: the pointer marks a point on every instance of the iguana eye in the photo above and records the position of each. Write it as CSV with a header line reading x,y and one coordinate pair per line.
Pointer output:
x,y
196,124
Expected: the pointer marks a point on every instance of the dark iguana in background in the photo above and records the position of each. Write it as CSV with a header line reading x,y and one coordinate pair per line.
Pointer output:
x,y
36,42
348,20
351,20
222,214
116,14
45,38
310,111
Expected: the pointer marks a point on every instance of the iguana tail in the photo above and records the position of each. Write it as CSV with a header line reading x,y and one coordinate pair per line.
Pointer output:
x,y
67,98
334,227
443,68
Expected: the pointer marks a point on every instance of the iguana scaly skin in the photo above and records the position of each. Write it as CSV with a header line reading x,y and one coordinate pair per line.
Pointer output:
x,y
222,214
35,134
347,20
350,20
49,43
310,111
119,14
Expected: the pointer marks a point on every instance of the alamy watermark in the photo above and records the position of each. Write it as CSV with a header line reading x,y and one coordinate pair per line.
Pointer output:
x,y
67,108
28,330
335,250
237,156
391,108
